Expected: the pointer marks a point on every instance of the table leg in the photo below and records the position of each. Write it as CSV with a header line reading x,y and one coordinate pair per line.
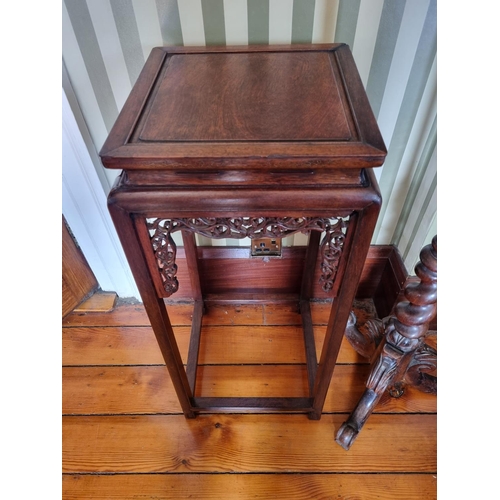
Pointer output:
x,y
305,307
189,241
361,226
128,230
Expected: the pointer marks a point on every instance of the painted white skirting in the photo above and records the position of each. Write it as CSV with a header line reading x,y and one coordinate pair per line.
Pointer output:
x,y
85,209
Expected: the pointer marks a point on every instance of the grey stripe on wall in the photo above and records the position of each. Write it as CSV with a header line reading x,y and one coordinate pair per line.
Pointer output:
x,y
91,52
123,12
392,59
258,21
213,22
170,22
346,21
303,21
417,80
387,36
430,193
423,162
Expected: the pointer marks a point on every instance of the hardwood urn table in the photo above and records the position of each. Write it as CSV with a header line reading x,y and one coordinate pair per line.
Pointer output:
x,y
234,142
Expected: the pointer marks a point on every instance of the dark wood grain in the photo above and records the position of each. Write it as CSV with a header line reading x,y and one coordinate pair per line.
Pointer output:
x,y
264,113
391,283
231,269
280,96
154,306
309,343
194,344
285,105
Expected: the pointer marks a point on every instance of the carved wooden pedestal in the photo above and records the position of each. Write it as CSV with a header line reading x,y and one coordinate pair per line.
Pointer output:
x,y
397,346
246,142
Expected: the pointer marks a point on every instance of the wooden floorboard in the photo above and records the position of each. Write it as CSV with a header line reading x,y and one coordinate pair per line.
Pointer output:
x,y
250,486
219,345
124,435
245,443
217,314
147,389
98,302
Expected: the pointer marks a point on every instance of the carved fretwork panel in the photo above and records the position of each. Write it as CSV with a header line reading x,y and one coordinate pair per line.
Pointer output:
x,y
165,251
164,248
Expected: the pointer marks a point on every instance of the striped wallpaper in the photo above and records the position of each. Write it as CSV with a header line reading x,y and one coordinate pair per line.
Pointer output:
x,y
106,42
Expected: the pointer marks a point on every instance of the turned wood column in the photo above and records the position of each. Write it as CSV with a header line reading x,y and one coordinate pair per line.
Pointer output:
x,y
398,344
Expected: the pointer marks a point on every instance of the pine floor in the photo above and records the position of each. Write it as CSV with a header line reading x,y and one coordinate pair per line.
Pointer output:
x,y
124,436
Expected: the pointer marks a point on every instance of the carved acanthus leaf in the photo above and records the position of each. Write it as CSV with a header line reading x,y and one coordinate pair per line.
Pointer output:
x,y
420,372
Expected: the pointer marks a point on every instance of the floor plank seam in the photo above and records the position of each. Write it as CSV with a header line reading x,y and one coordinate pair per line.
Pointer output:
x,y
262,414
255,473
204,364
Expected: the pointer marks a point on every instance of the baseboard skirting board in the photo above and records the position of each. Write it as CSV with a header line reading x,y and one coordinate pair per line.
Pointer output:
x,y
226,270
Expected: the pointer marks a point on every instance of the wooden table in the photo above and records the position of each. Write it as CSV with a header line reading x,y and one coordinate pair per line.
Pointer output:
x,y
234,142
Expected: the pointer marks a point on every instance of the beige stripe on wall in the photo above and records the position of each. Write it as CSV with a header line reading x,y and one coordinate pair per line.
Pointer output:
x,y
422,126
191,15
148,24
325,21
280,21
111,50
236,22
366,36
412,252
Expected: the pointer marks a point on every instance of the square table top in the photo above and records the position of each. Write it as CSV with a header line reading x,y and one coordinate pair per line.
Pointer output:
x,y
276,105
